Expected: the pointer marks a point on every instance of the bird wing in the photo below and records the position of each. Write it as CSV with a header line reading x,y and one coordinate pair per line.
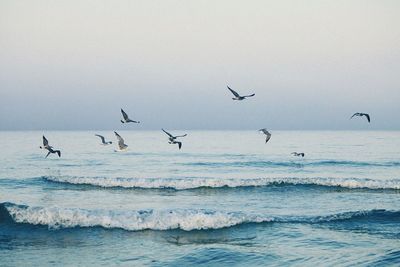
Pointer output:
x,y
120,139
268,137
121,143
101,137
45,142
249,95
368,118
124,114
233,92
180,135
355,114
179,144
170,135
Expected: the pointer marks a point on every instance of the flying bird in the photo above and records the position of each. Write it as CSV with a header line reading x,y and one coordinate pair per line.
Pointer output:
x,y
298,154
237,96
268,134
121,145
359,114
103,140
49,148
126,119
172,138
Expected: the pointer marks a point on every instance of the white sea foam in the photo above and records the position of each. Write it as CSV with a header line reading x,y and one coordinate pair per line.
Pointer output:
x,y
55,217
185,219
191,183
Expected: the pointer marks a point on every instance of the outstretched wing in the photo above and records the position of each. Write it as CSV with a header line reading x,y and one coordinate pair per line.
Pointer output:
x,y
181,135
179,144
355,114
45,142
249,95
233,92
268,137
170,135
368,118
124,114
121,143
101,137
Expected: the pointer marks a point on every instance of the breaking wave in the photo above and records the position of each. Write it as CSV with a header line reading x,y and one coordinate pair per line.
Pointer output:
x,y
184,219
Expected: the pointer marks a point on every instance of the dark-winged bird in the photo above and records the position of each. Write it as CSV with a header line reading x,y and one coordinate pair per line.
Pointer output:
x,y
172,138
126,119
237,96
49,148
103,140
359,114
298,154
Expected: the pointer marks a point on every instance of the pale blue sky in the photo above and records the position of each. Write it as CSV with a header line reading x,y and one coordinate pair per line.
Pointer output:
x,y
74,64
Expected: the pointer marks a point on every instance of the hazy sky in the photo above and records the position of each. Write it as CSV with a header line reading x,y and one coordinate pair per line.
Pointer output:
x,y
74,64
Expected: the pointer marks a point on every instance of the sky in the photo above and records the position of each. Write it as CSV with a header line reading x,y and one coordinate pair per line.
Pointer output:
x,y
71,65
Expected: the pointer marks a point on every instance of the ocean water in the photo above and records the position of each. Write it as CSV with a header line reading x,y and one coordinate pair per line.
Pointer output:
x,y
225,199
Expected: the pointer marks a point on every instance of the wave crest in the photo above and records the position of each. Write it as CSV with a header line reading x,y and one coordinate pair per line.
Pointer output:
x,y
185,219
192,183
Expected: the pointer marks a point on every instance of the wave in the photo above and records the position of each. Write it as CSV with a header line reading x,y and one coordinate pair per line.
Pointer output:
x,y
184,219
298,163
193,183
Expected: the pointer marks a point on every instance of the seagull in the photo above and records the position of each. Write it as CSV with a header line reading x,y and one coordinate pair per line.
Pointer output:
x,y
103,140
49,148
237,96
121,145
268,134
298,154
360,115
126,118
172,138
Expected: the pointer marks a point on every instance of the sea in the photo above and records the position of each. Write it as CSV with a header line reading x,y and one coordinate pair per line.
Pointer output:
x,y
226,198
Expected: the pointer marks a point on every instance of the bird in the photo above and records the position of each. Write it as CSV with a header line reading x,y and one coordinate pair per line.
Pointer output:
x,y
268,134
362,114
237,96
121,145
126,118
172,138
298,154
49,148
103,140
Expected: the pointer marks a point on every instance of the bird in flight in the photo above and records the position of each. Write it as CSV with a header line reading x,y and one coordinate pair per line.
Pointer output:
x,y
237,96
359,114
126,119
298,154
121,145
49,148
172,138
268,134
103,140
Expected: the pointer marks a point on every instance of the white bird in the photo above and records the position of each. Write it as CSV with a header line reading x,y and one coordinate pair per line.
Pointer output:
x,y
49,148
126,119
237,96
172,138
268,134
103,140
121,145
359,114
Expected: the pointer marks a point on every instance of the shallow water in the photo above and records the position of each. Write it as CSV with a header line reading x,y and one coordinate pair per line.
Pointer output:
x,y
226,198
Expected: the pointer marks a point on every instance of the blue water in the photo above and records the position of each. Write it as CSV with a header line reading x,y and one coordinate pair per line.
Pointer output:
x,y
225,199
